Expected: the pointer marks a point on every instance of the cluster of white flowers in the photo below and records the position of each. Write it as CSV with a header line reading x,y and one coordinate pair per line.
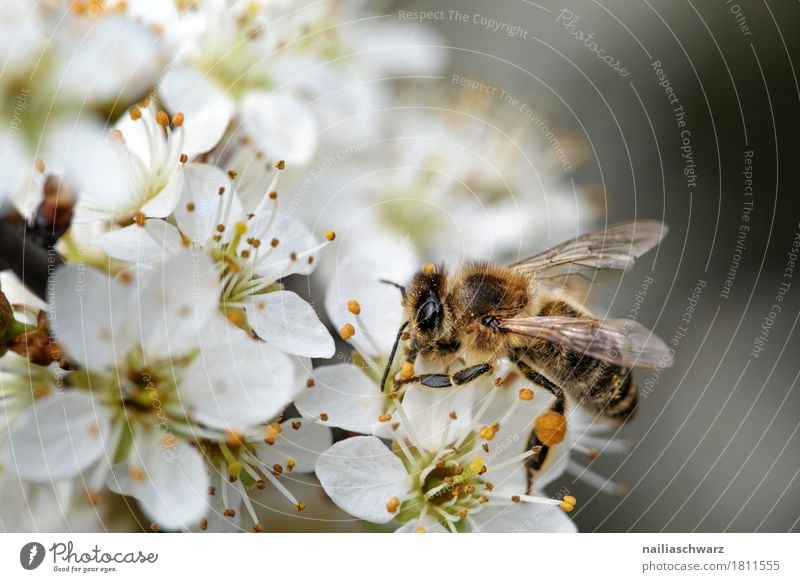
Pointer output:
x,y
169,362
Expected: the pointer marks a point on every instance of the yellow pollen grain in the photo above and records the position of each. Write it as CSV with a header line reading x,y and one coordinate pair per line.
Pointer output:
x,y
162,118
177,119
347,331
354,307
477,465
551,427
330,235
135,113
393,505
526,394
234,438
136,473
236,318
271,433
385,417
407,371
487,432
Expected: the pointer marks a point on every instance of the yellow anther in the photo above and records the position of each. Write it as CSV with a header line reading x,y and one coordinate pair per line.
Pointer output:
x,y
177,119
419,529
393,505
323,416
280,164
290,464
277,469
570,499
300,506
39,165
229,513
136,473
330,235
273,195
183,158
487,432
385,417
234,470
407,371
271,433
567,506
477,465
203,524
232,174
347,331
551,427
135,113
234,438
526,394
429,268
236,317
139,218
462,513
354,307
162,118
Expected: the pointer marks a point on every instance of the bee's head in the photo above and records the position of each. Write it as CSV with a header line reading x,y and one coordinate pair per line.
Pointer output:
x,y
427,311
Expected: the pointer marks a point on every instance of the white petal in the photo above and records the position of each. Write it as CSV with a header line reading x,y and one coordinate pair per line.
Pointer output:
x,y
359,277
293,237
280,125
177,301
303,444
349,398
164,202
362,475
428,411
106,59
91,317
167,476
287,322
153,243
236,382
207,109
524,518
201,186
59,437
401,49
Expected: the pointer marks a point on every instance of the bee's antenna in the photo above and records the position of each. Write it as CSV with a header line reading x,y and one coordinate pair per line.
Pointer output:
x,y
392,353
393,284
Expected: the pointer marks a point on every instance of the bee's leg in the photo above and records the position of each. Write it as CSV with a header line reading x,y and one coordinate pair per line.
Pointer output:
x,y
464,376
549,427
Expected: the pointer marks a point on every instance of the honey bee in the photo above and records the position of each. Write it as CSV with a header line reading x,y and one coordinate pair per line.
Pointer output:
x,y
532,314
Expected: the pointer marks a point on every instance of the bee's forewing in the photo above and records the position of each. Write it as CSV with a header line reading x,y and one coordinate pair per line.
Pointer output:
x,y
622,342
581,262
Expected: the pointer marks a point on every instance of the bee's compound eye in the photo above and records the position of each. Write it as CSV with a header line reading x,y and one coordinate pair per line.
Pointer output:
x,y
429,313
